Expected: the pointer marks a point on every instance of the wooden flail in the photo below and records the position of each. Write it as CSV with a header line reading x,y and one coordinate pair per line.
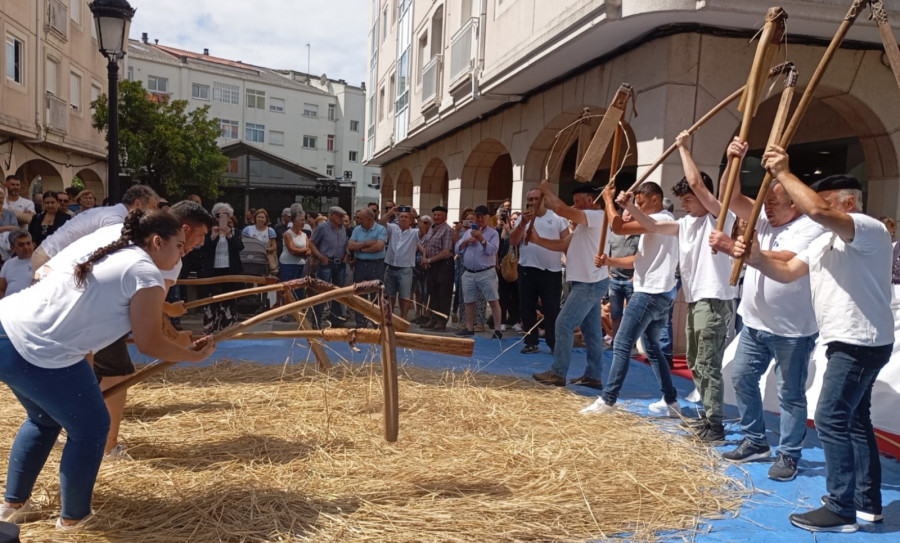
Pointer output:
x,y
613,170
772,33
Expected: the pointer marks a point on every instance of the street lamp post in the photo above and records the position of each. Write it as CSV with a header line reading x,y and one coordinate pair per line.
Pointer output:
x,y
112,19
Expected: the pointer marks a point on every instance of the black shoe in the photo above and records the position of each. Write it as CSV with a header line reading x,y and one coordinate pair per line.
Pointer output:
x,y
747,451
497,335
464,332
784,469
547,378
712,433
824,520
861,514
586,381
530,349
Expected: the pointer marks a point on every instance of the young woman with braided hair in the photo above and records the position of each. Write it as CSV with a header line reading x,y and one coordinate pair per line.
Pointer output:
x,y
44,335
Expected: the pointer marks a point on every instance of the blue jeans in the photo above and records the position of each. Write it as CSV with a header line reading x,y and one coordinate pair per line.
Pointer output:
x,y
646,314
331,273
289,272
582,308
53,399
844,422
620,291
665,338
754,352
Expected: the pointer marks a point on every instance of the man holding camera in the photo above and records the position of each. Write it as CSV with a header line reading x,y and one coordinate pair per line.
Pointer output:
x,y
479,245
400,257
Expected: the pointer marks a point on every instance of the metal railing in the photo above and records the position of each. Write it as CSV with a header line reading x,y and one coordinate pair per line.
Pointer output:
x,y
462,49
57,113
58,17
431,81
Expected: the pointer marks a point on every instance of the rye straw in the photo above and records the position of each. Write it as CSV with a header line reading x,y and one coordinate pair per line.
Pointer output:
x,y
246,452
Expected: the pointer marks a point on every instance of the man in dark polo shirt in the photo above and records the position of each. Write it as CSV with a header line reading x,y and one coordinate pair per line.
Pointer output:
x,y
438,264
328,244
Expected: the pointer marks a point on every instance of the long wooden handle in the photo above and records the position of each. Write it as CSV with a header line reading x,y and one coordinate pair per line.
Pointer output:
x,y
887,37
696,126
613,169
255,279
749,101
534,209
436,344
293,284
781,115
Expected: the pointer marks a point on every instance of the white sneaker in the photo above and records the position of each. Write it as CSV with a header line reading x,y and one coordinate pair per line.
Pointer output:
x,y
517,327
694,396
503,328
673,410
659,407
599,407
15,515
117,453
77,527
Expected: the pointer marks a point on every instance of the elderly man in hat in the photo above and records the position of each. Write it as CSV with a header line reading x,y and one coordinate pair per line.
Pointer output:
x,y
328,245
438,264
849,271
479,245
589,284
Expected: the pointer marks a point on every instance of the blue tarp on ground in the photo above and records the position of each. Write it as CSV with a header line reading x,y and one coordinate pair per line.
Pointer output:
x,y
763,518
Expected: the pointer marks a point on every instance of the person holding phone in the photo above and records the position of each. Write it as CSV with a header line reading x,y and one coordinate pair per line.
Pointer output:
x,y
221,252
400,257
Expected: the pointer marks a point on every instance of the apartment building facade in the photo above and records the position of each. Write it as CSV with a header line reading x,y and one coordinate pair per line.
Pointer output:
x,y
313,123
467,97
52,70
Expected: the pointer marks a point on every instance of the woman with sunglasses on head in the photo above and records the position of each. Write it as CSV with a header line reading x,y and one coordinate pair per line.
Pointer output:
x,y
44,336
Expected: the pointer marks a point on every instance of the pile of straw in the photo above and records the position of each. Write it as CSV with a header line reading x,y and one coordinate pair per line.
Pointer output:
x,y
244,452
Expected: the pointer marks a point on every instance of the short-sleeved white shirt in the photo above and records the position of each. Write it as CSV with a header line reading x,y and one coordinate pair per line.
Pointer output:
x,y
656,260
582,249
547,226
21,205
262,235
53,323
782,309
851,284
83,224
704,275
18,275
401,248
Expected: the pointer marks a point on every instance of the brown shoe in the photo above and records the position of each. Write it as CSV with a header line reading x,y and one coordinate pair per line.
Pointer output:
x,y
440,327
548,378
586,381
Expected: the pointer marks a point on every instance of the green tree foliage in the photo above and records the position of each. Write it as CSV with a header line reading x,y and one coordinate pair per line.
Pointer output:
x,y
164,145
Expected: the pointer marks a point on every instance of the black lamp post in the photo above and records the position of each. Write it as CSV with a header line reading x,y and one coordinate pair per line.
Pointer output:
x,y
113,19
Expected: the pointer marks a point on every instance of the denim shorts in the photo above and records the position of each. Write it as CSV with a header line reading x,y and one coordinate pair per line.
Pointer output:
x,y
398,281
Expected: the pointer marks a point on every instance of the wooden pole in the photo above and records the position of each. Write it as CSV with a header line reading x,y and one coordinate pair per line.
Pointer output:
x,y
254,279
709,115
389,370
322,360
360,305
295,283
435,344
781,115
771,35
887,37
287,309
613,169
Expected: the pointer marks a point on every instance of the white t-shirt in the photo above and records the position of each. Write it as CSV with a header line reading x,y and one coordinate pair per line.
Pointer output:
x,y
851,284
83,224
582,249
21,205
704,275
81,249
54,323
782,309
18,275
533,255
401,248
299,243
656,260
262,235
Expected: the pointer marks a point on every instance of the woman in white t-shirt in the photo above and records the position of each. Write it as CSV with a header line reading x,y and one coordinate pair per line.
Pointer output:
x,y
292,262
261,230
44,337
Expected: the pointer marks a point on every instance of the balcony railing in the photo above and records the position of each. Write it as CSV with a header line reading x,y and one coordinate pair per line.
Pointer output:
x,y
58,17
431,82
462,50
57,113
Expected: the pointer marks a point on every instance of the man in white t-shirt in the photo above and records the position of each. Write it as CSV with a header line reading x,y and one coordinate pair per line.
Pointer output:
x,y
849,271
540,271
648,310
589,285
137,196
23,207
705,281
779,323
400,256
16,273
